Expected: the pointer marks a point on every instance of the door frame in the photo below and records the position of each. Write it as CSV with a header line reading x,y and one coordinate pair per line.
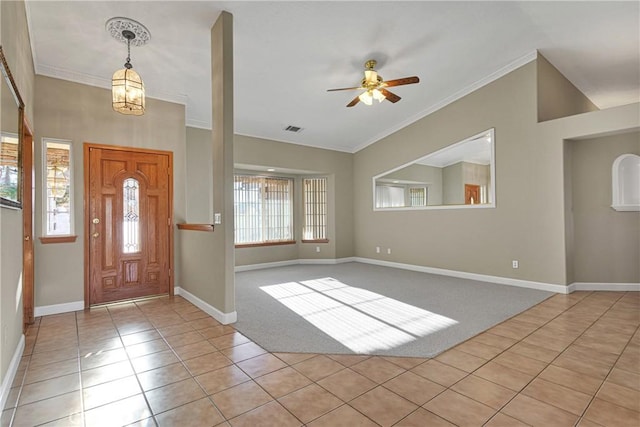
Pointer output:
x,y
474,187
87,146
28,194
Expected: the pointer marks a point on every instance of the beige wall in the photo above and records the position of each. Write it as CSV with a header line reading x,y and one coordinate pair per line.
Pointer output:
x,y
523,226
335,165
14,39
557,96
208,258
530,222
453,184
60,267
298,161
199,175
606,242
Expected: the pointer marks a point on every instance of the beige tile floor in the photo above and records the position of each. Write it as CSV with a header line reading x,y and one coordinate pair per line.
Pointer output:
x,y
571,360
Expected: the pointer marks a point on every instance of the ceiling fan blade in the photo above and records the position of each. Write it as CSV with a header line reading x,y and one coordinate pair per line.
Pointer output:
x,y
354,101
402,81
344,88
390,96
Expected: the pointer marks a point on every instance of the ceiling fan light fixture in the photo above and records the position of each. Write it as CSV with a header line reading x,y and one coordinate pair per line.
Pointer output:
x,y
366,98
377,95
127,87
371,77
375,87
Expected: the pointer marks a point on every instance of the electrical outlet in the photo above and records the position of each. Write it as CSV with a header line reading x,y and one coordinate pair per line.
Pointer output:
x,y
317,248
217,218
377,249
389,251
515,263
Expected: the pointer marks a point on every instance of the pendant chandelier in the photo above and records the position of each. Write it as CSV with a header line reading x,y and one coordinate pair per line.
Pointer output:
x,y
127,88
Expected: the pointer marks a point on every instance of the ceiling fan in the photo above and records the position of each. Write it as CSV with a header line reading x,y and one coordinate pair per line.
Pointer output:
x,y
375,87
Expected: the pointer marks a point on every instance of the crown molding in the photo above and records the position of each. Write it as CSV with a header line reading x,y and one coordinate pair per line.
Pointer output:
x,y
101,82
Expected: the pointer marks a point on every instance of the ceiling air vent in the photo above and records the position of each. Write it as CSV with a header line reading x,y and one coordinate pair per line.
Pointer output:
x,y
295,129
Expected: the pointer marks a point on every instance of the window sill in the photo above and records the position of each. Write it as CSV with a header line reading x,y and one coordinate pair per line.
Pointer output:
x,y
57,239
255,245
196,227
316,241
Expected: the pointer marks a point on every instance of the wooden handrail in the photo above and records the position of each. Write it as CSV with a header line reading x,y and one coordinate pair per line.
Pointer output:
x,y
196,227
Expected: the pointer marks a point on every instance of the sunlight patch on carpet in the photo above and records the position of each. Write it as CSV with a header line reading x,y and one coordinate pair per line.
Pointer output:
x,y
361,320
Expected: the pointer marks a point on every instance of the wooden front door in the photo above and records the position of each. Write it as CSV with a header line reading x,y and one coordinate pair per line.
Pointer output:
x,y
127,223
471,194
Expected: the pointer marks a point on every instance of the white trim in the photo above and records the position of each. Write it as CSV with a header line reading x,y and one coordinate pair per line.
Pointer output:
x,y
45,196
561,289
11,372
618,185
619,287
224,318
512,66
326,261
323,261
265,265
101,82
66,307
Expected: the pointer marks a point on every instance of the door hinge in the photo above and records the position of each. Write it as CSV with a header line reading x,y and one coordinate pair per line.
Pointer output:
x,y
169,222
169,272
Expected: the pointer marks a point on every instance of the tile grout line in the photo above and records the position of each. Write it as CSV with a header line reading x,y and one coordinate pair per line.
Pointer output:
x,y
124,348
595,394
589,299
501,352
551,362
75,321
498,354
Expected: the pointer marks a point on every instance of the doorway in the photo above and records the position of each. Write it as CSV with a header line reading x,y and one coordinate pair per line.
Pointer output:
x,y
471,194
128,223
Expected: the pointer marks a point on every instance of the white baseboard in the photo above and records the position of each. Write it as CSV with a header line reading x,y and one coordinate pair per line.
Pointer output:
x,y
308,261
249,267
224,318
66,307
618,287
561,289
11,372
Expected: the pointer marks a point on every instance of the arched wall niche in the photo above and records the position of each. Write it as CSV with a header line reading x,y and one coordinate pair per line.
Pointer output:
x,y
626,183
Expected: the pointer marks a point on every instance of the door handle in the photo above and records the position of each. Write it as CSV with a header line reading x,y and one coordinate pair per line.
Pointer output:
x,y
96,235
96,220
27,238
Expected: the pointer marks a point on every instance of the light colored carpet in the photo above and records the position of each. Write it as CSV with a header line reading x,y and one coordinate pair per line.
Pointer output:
x,y
366,309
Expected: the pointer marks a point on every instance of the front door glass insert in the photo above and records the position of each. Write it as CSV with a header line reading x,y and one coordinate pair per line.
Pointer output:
x,y
131,216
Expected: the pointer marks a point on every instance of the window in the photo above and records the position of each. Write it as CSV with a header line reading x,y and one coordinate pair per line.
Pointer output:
x,y
263,210
389,196
418,196
314,194
58,197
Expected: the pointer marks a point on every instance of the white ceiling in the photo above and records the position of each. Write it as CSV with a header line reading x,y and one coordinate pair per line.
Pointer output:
x,y
286,54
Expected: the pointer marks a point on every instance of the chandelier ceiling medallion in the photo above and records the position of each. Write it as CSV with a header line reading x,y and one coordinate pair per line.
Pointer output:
x,y
127,88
